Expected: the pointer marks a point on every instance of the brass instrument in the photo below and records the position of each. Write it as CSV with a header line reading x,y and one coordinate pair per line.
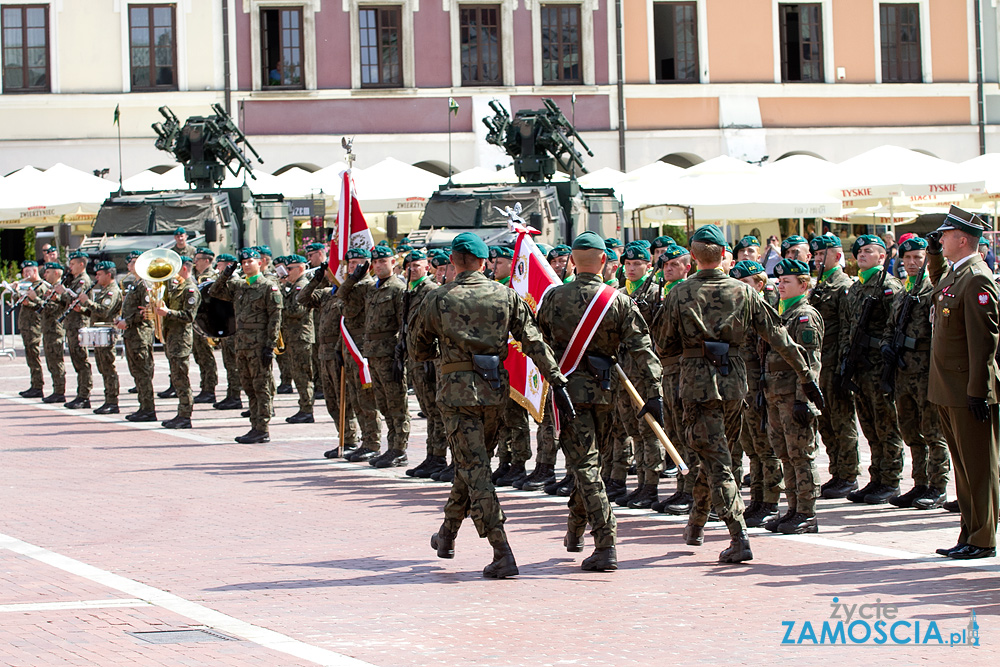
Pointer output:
x,y
156,266
280,347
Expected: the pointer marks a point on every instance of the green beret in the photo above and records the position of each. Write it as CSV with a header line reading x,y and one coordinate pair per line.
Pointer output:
x,y
185,259
497,252
415,256
544,248
440,259
791,267
559,251
747,268
674,251
611,254
280,260
313,247
794,239
612,242
180,230
381,251
589,241
104,265
470,244
264,250
643,242
225,257
710,234
747,242
28,262
636,252
914,243
360,253
384,243
824,242
729,249
55,265
135,254
867,239
249,253
984,241
295,259
78,254
204,251
662,242
405,239
403,247
963,221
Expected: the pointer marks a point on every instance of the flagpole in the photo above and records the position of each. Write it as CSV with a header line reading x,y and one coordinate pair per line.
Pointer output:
x,y
449,146
121,187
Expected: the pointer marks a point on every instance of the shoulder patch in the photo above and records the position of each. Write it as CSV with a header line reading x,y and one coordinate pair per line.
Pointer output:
x,y
803,318
888,291
191,300
274,288
984,298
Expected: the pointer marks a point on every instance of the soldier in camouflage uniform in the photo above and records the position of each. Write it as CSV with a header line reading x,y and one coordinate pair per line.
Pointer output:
x,y
204,356
178,310
53,333
791,423
765,467
137,334
467,324
383,306
103,305
838,423
75,320
919,421
232,401
642,288
876,412
316,254
181,246
707,319
257,302
747,249
299,336
29,323
424,373
620,332
283,360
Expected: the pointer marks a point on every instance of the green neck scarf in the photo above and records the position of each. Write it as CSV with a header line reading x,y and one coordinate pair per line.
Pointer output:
x,y
868,274
632,286
910,280
670,286
252,279
826,274
414,283
789,303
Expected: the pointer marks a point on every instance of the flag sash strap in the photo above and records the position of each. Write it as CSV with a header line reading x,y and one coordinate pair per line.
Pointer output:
x,y
365,372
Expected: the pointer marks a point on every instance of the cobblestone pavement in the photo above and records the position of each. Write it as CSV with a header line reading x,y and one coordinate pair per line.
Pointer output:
x,y
109,528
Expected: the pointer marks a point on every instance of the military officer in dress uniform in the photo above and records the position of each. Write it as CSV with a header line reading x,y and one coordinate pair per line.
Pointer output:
x,y
103,305
79,283
964,379
29,323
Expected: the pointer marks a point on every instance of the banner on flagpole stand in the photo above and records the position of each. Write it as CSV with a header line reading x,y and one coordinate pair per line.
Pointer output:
x,y
351,230
359,359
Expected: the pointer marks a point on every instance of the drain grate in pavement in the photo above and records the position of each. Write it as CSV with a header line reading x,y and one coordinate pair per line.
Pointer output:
x,y
181,636
35,449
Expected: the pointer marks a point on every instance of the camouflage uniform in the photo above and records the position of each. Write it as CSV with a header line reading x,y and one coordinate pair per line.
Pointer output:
x,y
181,299
838,425
424,375
474,315
547,446
876,412
29,323
622,331
318,295
352,308
73,322
299,336
919,421
258,321
53,340
383,304
711,306
138,339
187,251
103,308
203,354
794,443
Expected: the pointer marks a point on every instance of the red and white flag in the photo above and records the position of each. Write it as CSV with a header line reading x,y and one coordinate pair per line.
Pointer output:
x,y
531,277
352,347
351,228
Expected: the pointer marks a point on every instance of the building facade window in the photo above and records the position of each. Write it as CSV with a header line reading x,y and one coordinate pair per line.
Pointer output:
x,y
899,26
480,44
561,44
675,41
380,38
801,42
25,30
281,48
152,47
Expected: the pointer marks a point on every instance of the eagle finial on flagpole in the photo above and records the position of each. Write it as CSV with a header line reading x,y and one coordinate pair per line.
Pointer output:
x,y
348,145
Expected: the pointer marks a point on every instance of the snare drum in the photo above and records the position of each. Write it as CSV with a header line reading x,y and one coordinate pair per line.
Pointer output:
x,y
92,337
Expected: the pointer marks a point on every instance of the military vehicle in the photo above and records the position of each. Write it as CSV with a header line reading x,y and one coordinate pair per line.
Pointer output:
x,y
223,219
540,142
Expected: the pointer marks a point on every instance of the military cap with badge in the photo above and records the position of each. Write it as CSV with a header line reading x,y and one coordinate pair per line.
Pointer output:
x,y
746,268
865,240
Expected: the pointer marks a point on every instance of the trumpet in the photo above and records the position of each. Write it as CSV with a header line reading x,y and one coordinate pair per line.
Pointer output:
x,y
156,266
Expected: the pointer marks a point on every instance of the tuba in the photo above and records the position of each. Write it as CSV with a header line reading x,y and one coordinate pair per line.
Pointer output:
x,y
156,266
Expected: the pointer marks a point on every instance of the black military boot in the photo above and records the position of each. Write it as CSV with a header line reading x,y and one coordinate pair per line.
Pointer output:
x,y
615,488
245,414
551,489
436,464
694,535
515,471
177,422
669,470
447,475
229,403
142,416
332,453
739,549
660,505
205,396
362,455
761,514
842,489
775,522
349,448
318,395
623,501
34,392
77,403
859,495
107,409
681,506
503,564
394,458
133,390
645,500
906,500
284,388
54,398
443,542
798,524
604,559
881,494
931,499
542,475
951,506
573,542
301,418
169,392
565,490
429,461
501,470
254,437
833,481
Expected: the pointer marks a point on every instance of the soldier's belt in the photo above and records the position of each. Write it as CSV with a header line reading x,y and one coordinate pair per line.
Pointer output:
x,y
380,335
251,326
486,366
778,366
670,361
871,341
698,352
456,367
914,344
